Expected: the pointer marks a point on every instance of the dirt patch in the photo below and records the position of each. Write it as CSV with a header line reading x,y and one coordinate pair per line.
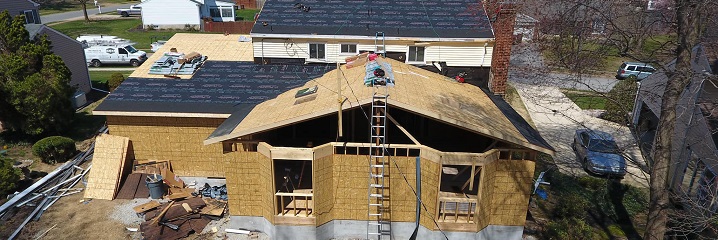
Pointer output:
x,y
75,219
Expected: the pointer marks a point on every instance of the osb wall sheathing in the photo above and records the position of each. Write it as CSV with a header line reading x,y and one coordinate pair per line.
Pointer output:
x,y
323,189
108,162
179,140
430,172
506,187
351,182
249,185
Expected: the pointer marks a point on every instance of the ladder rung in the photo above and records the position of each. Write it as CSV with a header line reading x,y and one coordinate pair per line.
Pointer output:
x,y
377,175
377,126
377,136
376,185
377,156
375,214
377,166
381,233
376,195
376,204
377,116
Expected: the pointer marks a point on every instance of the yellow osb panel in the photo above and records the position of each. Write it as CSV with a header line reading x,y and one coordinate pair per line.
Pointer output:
x,y
244,183
418,90
429,191
176,139
506,192
217,47
323,189
107,163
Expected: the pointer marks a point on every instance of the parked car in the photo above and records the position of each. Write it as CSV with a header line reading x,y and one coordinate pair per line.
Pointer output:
x,y
598,153
634,69
133,10
114,54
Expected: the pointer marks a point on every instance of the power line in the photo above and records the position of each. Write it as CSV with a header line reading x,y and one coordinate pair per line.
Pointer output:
x,y
395,164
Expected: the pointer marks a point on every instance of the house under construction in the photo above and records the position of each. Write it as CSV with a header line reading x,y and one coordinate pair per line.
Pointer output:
x,y
310,152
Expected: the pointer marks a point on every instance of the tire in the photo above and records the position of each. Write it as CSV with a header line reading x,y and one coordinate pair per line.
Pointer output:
x,y
96,63
125,14
135,63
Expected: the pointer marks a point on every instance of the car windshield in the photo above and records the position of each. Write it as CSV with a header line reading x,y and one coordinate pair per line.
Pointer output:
x,y
599,145
131,49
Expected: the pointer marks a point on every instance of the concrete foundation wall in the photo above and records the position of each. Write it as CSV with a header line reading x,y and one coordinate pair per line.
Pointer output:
x,y
176,139
351,229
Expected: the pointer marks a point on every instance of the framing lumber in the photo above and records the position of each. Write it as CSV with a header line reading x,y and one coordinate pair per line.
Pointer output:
x,y
471,179
413,139
108,164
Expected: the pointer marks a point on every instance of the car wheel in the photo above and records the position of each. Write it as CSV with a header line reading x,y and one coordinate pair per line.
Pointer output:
x,y
96,63
585,164
125,14
135,63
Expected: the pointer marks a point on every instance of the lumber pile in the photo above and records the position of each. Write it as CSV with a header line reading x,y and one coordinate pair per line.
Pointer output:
x,y
178,219
108,165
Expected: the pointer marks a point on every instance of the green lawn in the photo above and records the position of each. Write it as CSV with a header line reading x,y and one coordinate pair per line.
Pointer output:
x,y
586,99
58,6
99,78
245,14
124,28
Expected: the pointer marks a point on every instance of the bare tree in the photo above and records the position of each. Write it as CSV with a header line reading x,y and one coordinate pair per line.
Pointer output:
x,y
84,10
579,34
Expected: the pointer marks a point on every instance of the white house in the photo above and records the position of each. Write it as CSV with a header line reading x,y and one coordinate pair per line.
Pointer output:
x,y
326,31
183,14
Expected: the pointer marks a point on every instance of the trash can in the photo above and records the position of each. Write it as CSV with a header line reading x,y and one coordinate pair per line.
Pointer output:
x,y
156,186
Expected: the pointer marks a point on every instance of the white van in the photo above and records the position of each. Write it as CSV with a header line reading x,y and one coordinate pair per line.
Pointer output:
x,y
114,54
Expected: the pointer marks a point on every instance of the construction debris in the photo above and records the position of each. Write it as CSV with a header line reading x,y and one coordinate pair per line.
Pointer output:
x,y
175,220
216,192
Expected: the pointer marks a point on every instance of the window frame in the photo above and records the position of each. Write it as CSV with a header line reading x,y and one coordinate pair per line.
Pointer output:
x,y
230,9
356,49
309,51
27,20
219,12
423,56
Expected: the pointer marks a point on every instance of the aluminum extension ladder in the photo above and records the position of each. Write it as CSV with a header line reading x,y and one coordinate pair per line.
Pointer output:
x,y
379,41
379,224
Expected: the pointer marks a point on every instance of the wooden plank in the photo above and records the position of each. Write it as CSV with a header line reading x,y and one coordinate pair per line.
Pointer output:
x,y
129,188
413,139
287,153
146,207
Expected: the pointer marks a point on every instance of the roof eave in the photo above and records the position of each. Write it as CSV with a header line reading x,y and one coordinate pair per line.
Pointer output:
x,y
160,114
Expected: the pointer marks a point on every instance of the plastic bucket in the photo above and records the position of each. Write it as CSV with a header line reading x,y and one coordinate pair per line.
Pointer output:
x,y
157,187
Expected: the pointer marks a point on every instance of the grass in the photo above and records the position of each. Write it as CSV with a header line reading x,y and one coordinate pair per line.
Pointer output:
x,y
124,28
245,14
599,208
59,6
103,76
586,99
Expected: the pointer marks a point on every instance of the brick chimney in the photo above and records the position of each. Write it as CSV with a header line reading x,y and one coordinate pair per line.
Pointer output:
x,y
502,14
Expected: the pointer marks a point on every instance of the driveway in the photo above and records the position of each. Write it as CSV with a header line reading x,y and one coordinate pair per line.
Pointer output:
x,y
76,15
557,118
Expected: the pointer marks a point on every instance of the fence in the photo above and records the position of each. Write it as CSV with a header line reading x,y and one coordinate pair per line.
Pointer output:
x,y
229,27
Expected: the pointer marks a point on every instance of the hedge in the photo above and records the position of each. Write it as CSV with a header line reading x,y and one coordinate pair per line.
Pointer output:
x,y
54,149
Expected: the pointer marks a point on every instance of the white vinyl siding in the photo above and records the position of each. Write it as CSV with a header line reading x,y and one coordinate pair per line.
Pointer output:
x,y
455,56
170,13
460,56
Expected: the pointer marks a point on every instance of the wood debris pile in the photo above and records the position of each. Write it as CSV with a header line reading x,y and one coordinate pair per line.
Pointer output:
x,y
175,220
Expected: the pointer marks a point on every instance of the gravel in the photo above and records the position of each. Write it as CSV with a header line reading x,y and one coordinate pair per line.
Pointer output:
x,y
126,215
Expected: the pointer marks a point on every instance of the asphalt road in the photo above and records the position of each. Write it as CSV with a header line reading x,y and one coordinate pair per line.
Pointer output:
x,y
557,118
91,10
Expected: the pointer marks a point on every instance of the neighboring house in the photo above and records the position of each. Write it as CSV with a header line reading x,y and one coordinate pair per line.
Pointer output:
x,y
67,48
454,34
185,14
694,150
525,28
22,7
290,175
